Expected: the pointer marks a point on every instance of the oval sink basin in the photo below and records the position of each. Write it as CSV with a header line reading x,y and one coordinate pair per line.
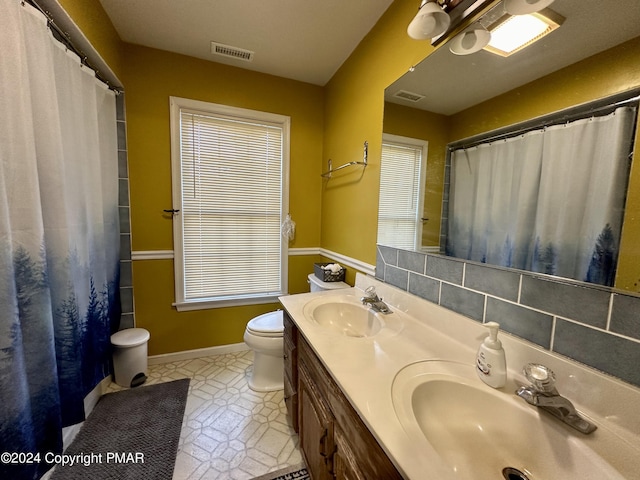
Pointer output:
x,y
345,318
482,433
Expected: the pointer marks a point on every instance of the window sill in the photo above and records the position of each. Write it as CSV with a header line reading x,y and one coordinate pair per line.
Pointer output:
x,y
205,304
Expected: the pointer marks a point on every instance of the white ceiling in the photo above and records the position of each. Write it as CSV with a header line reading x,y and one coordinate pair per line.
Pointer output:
x,y
305,40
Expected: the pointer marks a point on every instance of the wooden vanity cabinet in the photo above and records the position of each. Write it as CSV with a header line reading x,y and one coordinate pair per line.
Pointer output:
x,y
335,442
345,463
359,456
291,370
316,427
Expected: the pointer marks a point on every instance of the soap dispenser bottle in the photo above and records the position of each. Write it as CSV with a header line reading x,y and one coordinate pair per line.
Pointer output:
x,y
491,364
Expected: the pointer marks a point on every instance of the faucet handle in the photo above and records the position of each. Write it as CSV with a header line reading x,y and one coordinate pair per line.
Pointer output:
x,y
541,377
371,293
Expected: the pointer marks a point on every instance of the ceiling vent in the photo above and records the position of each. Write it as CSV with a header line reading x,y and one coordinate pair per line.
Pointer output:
x,y
410,96
231,52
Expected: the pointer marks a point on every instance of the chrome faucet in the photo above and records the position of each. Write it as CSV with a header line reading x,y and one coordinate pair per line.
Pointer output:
x,y
542,393
376,303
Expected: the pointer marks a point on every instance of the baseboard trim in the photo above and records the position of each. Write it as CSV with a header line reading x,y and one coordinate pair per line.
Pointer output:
x,y
299,252
363,267
168,254
197,353
152,255
292,252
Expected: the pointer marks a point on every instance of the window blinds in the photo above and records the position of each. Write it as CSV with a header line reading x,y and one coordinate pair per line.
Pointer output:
x,y
400,208
232,189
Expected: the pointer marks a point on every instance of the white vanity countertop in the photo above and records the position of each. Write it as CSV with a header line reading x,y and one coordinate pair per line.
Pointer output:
x,y
365,368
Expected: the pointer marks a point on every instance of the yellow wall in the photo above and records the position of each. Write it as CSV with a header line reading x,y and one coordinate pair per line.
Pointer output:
x,y
354,109
95,24
332,122
150,82
151,77
613,71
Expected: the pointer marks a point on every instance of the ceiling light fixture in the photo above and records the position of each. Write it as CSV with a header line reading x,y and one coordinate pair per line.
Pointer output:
x,y
524,7
511,34
430,21
470,41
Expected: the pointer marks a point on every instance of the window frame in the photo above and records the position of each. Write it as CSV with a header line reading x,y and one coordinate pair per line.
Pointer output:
x,y
418,144
176,105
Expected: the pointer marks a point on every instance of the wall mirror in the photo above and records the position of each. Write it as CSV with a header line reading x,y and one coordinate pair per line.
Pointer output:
x,y
593,54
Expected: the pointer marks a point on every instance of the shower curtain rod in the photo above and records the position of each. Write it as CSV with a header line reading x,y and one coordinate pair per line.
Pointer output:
x,y
65,38
595,108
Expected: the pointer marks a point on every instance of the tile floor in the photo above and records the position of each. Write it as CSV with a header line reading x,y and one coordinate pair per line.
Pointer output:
x,y
229,431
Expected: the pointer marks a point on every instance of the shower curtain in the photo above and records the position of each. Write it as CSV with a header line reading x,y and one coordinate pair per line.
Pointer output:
x,y
59,238
548,201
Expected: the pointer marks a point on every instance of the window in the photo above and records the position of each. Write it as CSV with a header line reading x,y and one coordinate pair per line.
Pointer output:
x,y
230,190
401,192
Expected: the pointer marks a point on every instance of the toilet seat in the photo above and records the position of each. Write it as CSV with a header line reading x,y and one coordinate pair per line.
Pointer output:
x,y
267,325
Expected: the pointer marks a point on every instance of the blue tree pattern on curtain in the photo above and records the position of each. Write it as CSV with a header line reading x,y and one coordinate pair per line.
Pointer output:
x,y
82,353
602,267
59,238
549,201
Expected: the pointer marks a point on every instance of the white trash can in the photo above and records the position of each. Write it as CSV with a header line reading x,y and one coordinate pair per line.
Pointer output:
x,y
130,356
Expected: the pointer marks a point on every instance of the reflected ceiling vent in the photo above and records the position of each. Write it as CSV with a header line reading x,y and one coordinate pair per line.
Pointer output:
x,y
409,96
231,52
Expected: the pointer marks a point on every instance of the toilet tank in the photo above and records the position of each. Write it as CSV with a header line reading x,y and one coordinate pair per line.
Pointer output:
x,y
318,285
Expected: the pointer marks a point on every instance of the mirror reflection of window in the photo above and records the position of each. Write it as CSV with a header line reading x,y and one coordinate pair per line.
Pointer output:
x,y
401,204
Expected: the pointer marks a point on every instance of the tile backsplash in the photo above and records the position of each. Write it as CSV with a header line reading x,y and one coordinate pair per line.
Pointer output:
x,y
589,324
127,317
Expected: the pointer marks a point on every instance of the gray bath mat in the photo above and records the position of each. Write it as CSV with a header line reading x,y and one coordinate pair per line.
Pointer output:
x,y
132,434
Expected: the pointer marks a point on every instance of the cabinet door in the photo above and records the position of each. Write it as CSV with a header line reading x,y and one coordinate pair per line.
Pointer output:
x,y
291,402
291,371
358,450
290,339
345,463
316,429
334,440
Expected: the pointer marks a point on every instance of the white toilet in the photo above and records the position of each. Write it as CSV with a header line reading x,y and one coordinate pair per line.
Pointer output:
x,y
264,334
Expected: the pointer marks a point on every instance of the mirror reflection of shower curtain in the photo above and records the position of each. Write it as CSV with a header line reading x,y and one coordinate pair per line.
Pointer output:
x,y
59,238
549,201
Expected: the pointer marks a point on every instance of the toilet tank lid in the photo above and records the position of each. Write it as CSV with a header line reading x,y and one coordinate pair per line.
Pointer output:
x,y
130,337
271,322
327,285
